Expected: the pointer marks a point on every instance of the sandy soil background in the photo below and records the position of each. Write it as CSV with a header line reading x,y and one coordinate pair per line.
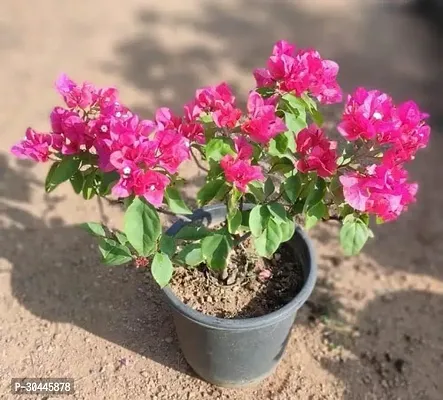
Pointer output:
x,y
374,327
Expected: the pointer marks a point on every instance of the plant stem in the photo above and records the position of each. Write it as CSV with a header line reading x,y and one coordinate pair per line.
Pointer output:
x,y
199,165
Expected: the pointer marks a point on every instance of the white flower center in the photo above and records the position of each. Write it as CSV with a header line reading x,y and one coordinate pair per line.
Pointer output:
x,y
118,114
126,171
377,115
104,128
152,188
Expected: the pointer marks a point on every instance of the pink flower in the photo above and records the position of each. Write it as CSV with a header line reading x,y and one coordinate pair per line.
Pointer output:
x,y
166,119
35,146
243,148
75,135
172,150
193,131
226,116
300,72
211,97
412,134
263,124
73,94
150,184
240,172
263,78
283,47
367,114
317,153
381,190
155,185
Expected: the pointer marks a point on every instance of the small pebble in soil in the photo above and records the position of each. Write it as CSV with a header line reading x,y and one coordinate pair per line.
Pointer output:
x,y
168,339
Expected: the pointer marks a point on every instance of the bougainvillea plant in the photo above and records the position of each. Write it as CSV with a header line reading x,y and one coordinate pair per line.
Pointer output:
x,y
275,155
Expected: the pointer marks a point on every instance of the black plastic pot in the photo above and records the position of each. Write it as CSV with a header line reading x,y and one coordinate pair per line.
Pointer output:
x,y
238,352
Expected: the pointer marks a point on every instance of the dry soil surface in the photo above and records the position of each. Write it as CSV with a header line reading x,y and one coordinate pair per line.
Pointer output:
x,y
374,326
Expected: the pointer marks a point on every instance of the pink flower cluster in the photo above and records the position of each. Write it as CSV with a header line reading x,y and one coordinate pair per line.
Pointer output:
x,y
143,152
381,190
316,152
395,132
262,124
302,71
217,101
372,116
238,170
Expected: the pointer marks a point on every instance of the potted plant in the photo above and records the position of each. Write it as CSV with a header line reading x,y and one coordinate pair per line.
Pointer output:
x,y
235,272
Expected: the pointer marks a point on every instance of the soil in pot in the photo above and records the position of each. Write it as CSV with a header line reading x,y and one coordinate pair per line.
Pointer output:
x,y
252,286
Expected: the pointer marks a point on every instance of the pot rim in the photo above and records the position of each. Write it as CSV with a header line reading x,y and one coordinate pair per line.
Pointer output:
x,y
244,323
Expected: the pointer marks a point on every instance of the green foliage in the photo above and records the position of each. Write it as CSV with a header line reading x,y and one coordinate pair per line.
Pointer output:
x,y
94,228
315,214
292,187
269,240
89,190
167,245
191,255
215,250
113,252
142,226
209,191
61,171
189,232
217,148
162,269
353,235
175,202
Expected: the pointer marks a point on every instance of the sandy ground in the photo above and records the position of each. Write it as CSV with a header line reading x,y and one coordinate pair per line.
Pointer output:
x,y
374,327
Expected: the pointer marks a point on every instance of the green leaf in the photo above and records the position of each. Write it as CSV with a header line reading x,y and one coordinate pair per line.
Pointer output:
x,y
142,226
88,190
293,186
167,245
209,191
278,145
265,91
191,255
49,186
108,180
64,170
269,241
269,187
317,117
162,269
222,192
317,190
278,212
336,190
257,189
175,202
295,124
314,214
234,221
121,237
189,232
353,236
291,140
215,250
94,228
113,252
77,182
215,170
287,230
282,164
310,103
217,148
258,219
